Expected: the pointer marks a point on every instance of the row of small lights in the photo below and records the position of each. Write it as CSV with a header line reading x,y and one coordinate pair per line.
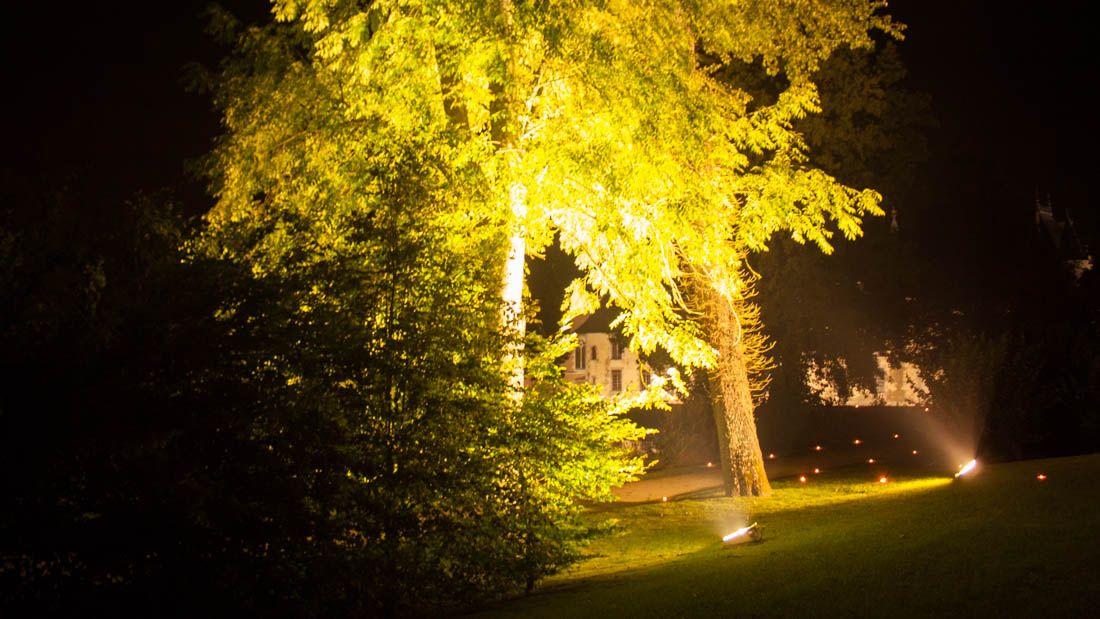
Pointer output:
x,y
964,469
817,471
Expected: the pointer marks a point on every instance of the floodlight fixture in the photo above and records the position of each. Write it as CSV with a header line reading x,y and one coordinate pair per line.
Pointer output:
x,y
966,468
754,532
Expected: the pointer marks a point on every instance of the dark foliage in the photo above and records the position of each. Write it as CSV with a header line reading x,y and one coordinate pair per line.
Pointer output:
x,y
182,436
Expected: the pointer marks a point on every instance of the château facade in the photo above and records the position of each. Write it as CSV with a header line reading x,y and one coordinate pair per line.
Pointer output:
x,y
602,358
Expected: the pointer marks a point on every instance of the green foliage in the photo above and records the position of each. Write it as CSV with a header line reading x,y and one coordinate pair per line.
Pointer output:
x,y
608,123
328,434
611,125
441,486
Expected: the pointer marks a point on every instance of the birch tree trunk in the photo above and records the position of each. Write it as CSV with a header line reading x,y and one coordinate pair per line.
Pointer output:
x,y
504,109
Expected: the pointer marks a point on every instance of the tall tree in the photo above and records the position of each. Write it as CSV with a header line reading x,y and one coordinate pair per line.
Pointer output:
x,y
609,123
389,335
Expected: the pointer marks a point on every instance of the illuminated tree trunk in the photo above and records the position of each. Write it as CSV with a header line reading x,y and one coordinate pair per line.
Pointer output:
x,y
731,402
512,293
504,109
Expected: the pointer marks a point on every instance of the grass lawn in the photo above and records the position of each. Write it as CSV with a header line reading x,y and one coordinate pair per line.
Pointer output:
x,y
999,544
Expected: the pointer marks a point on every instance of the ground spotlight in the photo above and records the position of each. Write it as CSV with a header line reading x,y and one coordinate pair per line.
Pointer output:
x,y
966,468
752,533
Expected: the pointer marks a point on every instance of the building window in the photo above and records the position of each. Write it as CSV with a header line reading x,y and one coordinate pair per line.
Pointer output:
x,y
616,349
578,358
593,353
616,380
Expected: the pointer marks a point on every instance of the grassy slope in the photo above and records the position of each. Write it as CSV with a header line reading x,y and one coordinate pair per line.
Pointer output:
x,y
1001,544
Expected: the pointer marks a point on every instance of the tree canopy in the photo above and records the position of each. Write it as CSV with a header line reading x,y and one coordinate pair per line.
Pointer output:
x,y
629,130
608,123
394,163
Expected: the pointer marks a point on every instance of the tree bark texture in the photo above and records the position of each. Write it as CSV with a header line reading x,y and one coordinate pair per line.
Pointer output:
x,y
731,402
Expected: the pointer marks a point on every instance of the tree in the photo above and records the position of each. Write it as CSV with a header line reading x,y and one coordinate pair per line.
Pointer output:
x,y
854,303
438,486
608,123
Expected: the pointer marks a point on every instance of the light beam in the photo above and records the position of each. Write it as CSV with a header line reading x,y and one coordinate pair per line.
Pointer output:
x,y
749,531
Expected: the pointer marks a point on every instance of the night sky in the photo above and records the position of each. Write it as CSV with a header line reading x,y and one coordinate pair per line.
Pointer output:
x,y
1014,91
96,90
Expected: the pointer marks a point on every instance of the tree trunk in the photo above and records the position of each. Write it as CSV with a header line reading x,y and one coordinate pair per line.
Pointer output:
x,y
731,402
505,107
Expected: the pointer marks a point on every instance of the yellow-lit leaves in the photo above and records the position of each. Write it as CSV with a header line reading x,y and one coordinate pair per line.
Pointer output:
x,y
647,162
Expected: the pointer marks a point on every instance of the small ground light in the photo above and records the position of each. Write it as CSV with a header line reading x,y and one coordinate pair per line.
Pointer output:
x,y
882,480
817,448
966,468
870,460
897,436
817,471
710,465
1041,477
753,532
802,478
857,442
664,499
771,456
915,452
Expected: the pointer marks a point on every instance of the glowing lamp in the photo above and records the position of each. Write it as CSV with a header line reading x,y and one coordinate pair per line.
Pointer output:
x,y
817,471
771,456
664,499
897,436
1041,477
857,442
882,480
915,452
966,468
870,460
802,478
817,448
710,465
753,532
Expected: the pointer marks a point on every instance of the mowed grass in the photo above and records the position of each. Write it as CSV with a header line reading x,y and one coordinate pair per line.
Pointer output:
x,y
999,544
